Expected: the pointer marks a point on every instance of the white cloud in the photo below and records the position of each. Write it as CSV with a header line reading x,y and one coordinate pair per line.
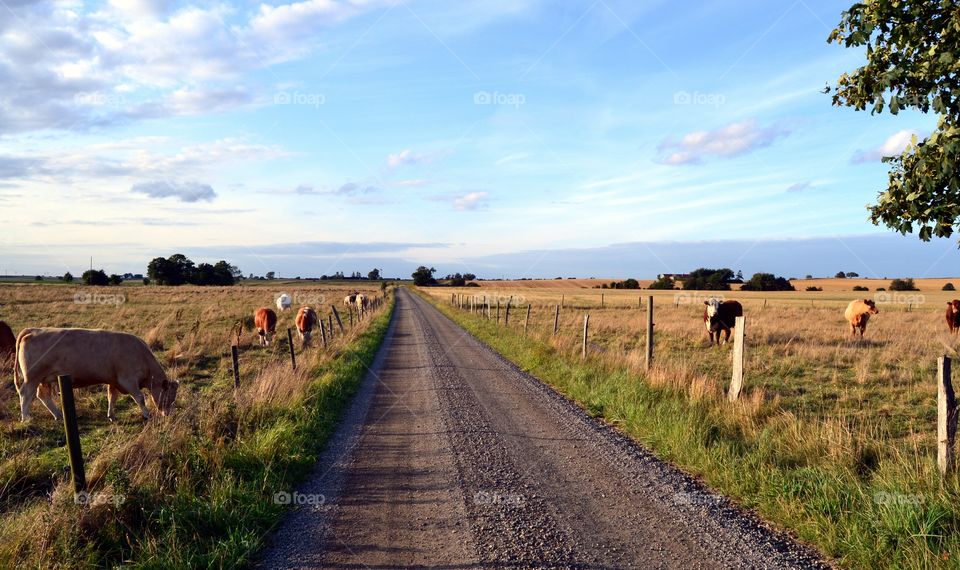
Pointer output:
x,y
183,191
407,157
728,141
471,201
893,146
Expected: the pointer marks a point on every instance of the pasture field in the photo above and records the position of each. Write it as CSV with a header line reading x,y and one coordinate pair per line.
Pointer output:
x,y
833,438
829,285
196,488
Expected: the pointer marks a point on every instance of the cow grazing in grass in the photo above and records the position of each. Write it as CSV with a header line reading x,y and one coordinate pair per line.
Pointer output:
x,y
858,314
361,301
953,315
120,360
721,317
266,322
8,344
350,299
284,302
306,320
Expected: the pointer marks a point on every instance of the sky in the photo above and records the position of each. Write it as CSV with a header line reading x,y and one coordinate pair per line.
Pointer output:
x,y
508,138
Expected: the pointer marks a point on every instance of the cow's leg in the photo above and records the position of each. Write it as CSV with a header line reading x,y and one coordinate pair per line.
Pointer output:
x,y
260,338
137,396
112,395
27,393
45,393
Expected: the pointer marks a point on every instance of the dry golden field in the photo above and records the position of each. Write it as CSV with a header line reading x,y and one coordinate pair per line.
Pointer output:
x,y
827,284
191,330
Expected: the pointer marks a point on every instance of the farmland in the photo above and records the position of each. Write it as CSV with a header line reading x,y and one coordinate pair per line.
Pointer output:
x,y
834,438
195,488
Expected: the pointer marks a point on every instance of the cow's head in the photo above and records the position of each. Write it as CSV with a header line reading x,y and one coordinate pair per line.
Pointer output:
x,y
953,307
713,305
165,395
871,306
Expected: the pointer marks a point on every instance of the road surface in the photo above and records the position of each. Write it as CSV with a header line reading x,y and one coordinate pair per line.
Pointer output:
x,y
451,457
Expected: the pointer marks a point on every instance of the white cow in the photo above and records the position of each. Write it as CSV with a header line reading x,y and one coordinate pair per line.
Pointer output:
x,y
284,302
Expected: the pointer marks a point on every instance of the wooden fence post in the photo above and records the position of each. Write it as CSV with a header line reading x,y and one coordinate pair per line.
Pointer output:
x,y
561,301
73,435
498,309
293,356
323,334
556,320
736,380
586,324
236,365
640,302
649,355
506,314
946,417
336,314
601,300
526,320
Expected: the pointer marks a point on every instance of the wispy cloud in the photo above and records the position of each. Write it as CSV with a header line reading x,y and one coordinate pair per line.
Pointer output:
x,y
471,201
183,191
729,141
407,157
799,186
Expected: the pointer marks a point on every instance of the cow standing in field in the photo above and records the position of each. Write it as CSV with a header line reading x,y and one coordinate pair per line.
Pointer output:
x,y
721,317
8,344
858,314
306,320
953,315
361,304
266,322
120,360
284,302
350,299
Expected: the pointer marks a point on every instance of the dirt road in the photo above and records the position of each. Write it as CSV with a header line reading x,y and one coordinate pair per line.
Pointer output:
x,y
451,457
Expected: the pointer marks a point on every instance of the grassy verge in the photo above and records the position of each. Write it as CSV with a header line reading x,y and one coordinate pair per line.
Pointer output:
x,y
196,489
860,503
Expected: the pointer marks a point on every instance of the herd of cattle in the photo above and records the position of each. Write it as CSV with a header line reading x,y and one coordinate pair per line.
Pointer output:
x,y
121,361
126,365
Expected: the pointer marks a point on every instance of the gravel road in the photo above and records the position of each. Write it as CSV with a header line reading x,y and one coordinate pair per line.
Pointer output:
x,y
451,457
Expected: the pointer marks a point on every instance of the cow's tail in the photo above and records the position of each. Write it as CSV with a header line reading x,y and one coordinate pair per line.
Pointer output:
x,y
16,362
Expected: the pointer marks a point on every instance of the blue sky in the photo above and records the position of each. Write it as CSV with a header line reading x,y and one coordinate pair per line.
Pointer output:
x,y
323,135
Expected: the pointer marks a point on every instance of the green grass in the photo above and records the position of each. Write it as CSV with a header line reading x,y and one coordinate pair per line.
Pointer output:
x,y
863,504
205,497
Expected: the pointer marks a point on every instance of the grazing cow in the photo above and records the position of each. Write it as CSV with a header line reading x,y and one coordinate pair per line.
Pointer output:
x,y
953,315
284,302
266,322
350,299
306,320
858,314
120,360
361,303
8,344
721,317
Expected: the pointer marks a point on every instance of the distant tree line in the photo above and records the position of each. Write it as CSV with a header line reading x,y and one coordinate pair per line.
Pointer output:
x,y
178,269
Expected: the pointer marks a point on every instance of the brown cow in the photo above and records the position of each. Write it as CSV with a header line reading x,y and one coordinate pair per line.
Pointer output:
x,y
306,320
8,344
266,322
858,314
120,360
721,317
953,315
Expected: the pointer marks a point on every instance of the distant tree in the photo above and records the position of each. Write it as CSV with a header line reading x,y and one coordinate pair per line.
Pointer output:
x,y
812,288
68,277
662,283
903,285
271,274
739,275
95,277
881,289
115,279
767,282
456,280
146,280
860,288
38,278
949,287
423,276
709,279
840,275
852,275
625,284
174,270
809,277
374,274
469,277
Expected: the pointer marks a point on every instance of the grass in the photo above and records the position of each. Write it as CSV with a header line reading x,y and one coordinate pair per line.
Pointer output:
x,y
195,489
833,439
